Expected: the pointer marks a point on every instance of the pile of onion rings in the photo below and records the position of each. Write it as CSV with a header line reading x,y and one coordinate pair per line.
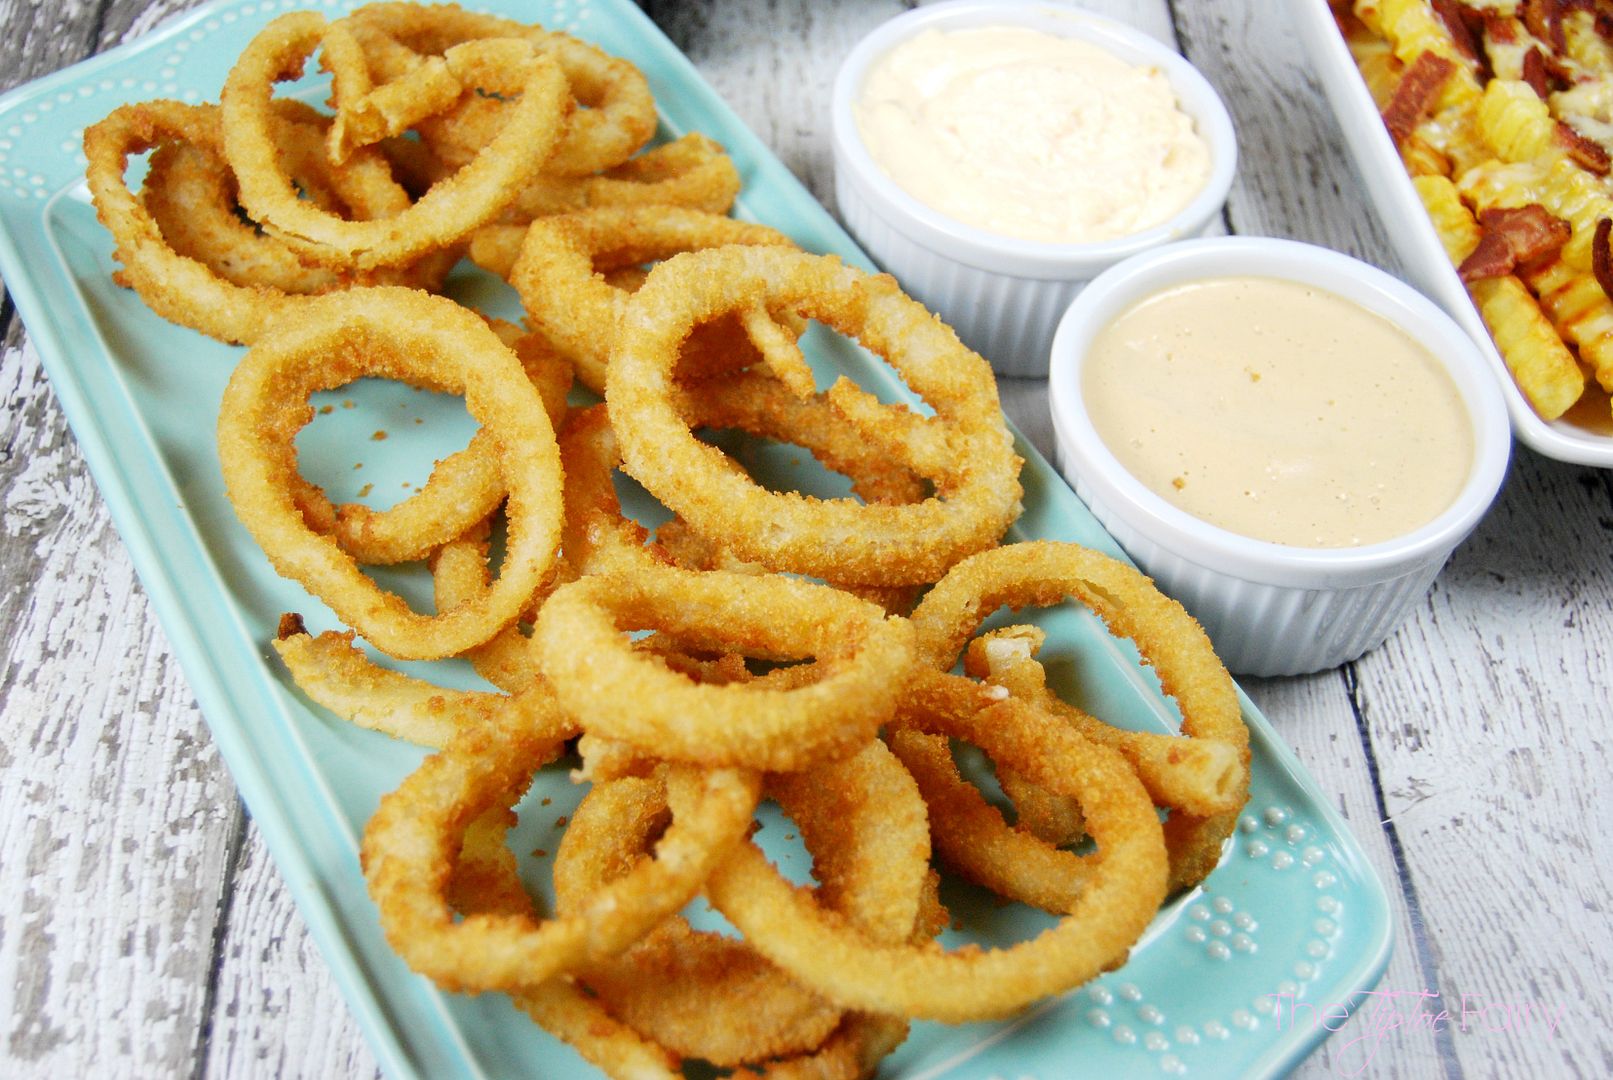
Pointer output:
x,y
791,646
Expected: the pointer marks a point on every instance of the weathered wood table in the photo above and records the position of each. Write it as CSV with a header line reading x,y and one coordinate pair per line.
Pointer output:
x,y
143,931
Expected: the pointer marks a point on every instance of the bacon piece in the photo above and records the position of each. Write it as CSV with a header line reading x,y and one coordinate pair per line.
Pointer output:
x,y
1534,72
1499,28
1512,237
1417,90
1454,15
1544,18
1592,156
1491,259
1602,258
1532,231
1562,76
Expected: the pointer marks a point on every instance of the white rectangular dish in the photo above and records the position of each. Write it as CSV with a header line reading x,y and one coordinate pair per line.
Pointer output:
x,y
1585,435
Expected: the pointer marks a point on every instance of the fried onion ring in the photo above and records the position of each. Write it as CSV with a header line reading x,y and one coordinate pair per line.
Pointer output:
x,y
788,927
692,172
463,488
179,288
557,273
411,844
865,825
619,115
1044,574
580,649
412,88
450,210
486,882
335,674
424,340
460,575
682,988
977,492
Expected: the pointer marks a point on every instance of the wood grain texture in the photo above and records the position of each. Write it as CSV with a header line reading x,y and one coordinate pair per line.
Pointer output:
x,y
149,934
275,1010
113,803
114,807
1484,755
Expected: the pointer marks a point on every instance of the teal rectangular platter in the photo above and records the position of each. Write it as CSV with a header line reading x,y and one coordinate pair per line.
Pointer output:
x,y
1293,913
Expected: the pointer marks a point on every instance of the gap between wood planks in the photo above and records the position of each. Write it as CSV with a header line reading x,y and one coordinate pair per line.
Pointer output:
x,y
97,27
221,932
1427,965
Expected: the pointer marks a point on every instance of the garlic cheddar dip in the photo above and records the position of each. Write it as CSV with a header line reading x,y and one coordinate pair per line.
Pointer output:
x,y
1031,135
1279,411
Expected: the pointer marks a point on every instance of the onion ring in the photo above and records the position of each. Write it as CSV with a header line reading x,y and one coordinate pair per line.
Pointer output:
x,y
619,117
1043,574
556,272
190,193
1197,774
463,488
444,214
865,825
977,494
427,341
411,844
692,172
486,882
597,537
411,90
972,839
336,675
677,986
1122,894
581,651
180,289
460,575
1045,815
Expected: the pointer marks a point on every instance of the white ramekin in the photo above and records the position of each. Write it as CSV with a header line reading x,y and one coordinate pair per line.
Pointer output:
x,y
1004,295
1273,609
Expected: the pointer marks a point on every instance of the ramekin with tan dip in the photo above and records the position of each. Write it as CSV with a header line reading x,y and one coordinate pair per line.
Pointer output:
x,y
1289,441
997,156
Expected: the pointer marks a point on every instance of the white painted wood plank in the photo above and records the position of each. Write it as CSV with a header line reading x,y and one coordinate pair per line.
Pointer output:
x,y
1489,716
275,1011
114,807
113,803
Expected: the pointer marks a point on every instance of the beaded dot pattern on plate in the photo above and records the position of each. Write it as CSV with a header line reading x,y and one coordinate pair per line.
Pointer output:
x,y
1227,928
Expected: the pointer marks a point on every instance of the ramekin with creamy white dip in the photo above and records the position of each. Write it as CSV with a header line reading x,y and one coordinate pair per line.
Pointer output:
x,y
997,156
1289,441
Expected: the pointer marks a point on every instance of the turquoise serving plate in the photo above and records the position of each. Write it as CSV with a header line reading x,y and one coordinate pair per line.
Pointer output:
x,y
1293,915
